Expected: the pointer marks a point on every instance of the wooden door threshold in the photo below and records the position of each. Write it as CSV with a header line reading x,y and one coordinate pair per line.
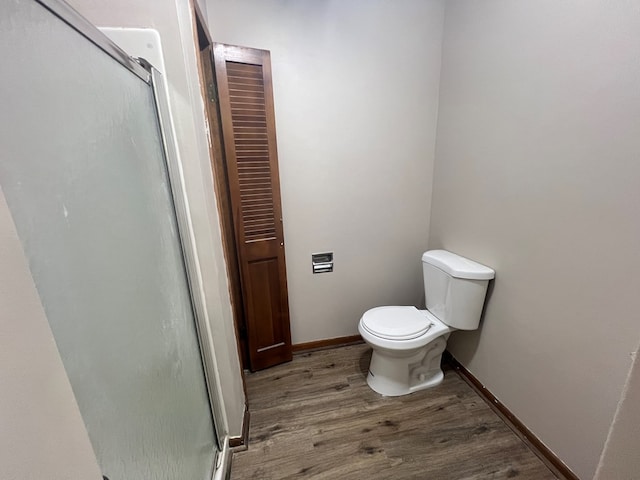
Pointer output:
x,y
550,459
241,443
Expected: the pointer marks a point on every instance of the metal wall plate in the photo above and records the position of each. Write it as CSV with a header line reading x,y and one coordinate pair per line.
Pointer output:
x,y
322,262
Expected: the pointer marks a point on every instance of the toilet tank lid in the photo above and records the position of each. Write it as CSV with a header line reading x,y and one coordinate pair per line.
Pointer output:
x,y
457,266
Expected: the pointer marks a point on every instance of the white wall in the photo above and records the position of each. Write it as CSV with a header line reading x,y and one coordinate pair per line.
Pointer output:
x,y
42,434
355,87
537,175
173,20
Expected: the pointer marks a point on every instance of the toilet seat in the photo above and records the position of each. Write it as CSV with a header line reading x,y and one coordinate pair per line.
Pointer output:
x,y
396,323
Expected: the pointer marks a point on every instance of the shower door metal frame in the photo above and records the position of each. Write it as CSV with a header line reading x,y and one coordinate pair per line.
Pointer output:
x,y
147,73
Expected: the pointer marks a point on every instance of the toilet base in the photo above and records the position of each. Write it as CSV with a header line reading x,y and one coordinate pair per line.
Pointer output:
x,y
393,373
382,386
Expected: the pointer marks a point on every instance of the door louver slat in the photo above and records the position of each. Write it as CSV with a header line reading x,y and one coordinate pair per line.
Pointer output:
x,y
248,111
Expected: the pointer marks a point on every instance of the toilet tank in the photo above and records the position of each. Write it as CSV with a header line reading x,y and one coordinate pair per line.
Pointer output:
x,y
455,288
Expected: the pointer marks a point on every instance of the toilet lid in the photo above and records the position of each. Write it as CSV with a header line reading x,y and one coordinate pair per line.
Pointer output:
x,y
396,323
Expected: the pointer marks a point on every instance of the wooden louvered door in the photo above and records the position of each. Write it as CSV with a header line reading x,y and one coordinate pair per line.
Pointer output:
x,y
245,94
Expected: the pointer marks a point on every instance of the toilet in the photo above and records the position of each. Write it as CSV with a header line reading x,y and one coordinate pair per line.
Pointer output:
x,y
408,343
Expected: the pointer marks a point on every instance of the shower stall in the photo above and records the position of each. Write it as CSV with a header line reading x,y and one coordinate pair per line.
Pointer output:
x,y
90,174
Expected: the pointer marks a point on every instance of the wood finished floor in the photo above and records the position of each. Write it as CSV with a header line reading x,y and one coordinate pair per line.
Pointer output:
x,y
316,418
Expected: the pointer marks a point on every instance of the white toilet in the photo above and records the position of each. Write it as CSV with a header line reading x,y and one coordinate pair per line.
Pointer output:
x,y
408,343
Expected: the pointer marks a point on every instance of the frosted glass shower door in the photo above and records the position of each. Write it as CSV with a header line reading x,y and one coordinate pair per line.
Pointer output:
x,y
83,170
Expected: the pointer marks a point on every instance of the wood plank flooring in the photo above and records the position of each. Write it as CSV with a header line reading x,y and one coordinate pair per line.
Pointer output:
x,y
316,418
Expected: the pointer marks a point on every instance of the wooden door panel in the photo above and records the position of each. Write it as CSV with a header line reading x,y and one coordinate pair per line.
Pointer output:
x,y
248,126
270,335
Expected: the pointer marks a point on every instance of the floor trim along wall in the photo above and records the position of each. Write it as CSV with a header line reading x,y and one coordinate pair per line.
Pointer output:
x,y
327,343
241,443
539,448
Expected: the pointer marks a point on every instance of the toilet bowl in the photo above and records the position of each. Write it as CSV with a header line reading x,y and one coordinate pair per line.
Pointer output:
x,y
408,343
407,347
